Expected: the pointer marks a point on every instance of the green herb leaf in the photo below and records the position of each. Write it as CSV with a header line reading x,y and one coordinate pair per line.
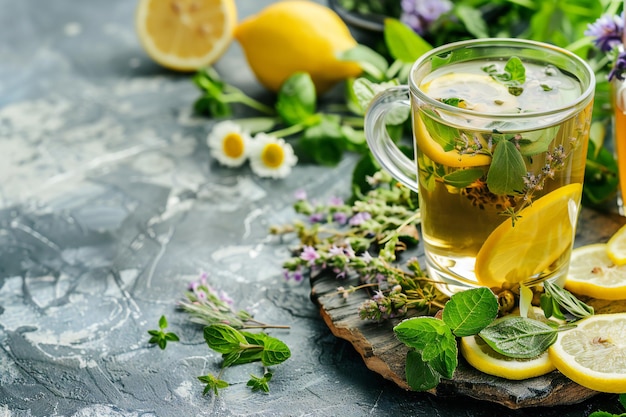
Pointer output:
x,y
370,61
162,322
468,312
533,143
419,374
260,383
463,177
434,339
297,100
519,337
516,70
223,339
364,91
444,135
473,20
507,170
324,142
212,384
274,352
568,301
403,43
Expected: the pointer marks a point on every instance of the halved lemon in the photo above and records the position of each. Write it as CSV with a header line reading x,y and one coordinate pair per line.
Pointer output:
x,y
482,357
593,273
593,354
544,231
616,247
185,35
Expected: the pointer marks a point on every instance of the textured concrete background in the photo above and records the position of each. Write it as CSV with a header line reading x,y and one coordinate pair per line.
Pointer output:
x,y
110,204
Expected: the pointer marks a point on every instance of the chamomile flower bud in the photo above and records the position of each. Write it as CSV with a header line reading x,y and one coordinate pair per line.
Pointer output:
x,y
229,143
271,156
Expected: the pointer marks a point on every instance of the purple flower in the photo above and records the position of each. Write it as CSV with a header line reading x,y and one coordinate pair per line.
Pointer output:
x,y
619,68
360,218
607,30
316,217
420,14
226,298
340,217
335,250
309,254
335,201
300,195
297,275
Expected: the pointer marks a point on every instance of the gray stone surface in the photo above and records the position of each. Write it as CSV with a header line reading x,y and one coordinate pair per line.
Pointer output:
x,y
110,204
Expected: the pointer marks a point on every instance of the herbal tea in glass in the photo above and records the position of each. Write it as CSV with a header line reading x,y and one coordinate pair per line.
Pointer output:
x,y
501,129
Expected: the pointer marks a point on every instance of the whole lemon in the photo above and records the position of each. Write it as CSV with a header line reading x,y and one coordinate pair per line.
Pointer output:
x,y
297,35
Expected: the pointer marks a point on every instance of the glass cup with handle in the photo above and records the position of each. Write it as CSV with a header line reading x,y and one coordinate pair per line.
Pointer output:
x,y
500,130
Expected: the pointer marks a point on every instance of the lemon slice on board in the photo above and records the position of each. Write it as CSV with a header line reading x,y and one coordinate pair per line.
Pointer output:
x,y
616,247
482,357
185,35
593,273
593,354
544,231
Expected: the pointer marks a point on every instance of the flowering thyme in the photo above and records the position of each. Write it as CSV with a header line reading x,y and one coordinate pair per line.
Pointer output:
x,y
379,225
208,306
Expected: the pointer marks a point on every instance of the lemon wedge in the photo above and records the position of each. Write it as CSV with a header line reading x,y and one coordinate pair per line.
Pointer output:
x,y
593,354
616,247
593,273
185,35
544,231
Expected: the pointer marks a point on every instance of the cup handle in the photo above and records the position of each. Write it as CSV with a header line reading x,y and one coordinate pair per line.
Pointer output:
x,y
380,143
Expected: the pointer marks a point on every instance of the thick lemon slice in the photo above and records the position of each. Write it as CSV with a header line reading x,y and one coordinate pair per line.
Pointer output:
x,y
482,357
593,273
544,231
185,35
593,354
616,247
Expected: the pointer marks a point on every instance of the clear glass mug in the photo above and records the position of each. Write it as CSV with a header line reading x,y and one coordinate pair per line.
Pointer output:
x,y
500,154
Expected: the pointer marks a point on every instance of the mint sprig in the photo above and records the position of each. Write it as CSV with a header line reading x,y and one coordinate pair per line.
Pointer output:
x,y
434,352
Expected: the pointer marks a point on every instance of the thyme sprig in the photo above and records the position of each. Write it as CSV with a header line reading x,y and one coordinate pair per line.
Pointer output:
x,y
363,240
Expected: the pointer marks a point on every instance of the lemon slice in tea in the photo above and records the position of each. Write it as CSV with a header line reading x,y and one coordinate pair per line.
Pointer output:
x,y
593,354
543,232
593,273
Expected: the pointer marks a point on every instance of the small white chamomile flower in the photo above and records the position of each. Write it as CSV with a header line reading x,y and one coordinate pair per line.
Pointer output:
x,y
229,143
271,156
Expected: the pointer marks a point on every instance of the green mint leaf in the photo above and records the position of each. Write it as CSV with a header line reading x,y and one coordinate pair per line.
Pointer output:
x,y
210,106
172,337
463,177
419,375
533,143
274,352
403,43
370,61
297,100
468,312
452,101
515,68
473,20
223,339
260,383
162,322
603,414
519,337
324,142
434,339
364,91
154,340
445,136
568,301
212,384
162,343
155,332
507,170
231,358
515,90
622,400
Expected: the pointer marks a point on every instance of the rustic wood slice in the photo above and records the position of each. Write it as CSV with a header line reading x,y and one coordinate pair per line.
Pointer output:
x,y
384,354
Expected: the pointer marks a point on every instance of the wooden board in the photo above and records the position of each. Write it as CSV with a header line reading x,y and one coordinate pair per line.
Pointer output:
x,y
384,354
